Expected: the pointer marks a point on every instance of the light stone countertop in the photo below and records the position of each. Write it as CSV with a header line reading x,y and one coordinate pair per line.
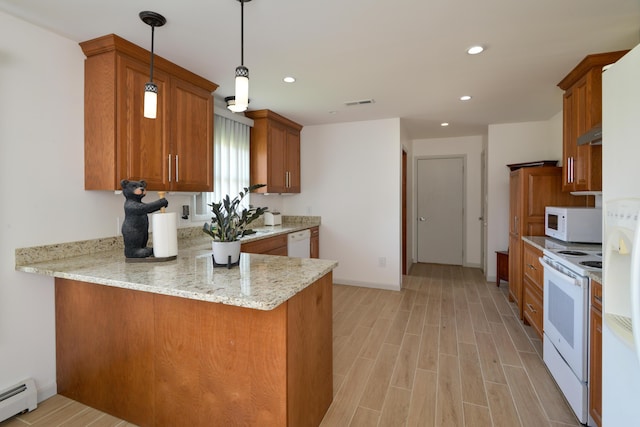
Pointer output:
x,y
543,242
260,282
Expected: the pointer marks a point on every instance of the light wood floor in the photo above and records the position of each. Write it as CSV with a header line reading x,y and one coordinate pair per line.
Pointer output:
x,y
446,351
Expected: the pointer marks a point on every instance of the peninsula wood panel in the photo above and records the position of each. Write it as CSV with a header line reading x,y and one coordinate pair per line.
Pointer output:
x,y
310,370
157,360
105,348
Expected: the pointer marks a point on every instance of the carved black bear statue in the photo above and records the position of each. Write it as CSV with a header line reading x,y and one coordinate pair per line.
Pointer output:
x,y
135,228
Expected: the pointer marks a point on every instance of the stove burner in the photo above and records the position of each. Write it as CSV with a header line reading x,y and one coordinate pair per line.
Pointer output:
x,y
593,264
573,253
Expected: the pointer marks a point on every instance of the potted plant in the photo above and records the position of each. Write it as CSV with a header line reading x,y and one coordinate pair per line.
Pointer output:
x,y
229,223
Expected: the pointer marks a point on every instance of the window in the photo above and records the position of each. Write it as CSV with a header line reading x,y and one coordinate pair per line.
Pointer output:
x,y
230,164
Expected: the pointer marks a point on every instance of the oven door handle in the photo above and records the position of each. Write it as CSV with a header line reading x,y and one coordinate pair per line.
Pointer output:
x,y
566,277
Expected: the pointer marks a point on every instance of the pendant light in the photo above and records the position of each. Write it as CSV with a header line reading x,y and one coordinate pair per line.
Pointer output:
x,y
240,101
154,20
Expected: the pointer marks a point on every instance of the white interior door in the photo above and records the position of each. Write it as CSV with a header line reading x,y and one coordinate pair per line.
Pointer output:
x,y
440,189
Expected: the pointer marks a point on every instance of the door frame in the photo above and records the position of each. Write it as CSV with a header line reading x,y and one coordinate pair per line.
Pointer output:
x,y
464,201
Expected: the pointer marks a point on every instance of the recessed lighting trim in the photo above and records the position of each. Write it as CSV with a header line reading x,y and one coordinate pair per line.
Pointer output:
x,y
289,79
474,50
465,97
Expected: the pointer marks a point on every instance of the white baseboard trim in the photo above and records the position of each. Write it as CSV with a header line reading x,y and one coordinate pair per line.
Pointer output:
x,y
47,391
384,286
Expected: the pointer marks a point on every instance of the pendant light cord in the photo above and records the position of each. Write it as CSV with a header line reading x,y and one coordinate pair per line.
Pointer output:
x,y
242,32
153,27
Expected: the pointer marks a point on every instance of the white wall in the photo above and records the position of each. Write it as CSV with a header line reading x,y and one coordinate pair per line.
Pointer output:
x,y
507,144
471,148
41,183
407,147
351,178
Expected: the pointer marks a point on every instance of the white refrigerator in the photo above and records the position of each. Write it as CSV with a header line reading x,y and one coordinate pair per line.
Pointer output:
x,y
620,180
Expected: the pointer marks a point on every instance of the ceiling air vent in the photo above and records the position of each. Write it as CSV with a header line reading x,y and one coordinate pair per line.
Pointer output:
x,y
361,102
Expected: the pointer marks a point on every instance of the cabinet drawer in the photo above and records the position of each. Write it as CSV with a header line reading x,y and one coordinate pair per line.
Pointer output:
x,y
596,295
265,246
531,265
532,307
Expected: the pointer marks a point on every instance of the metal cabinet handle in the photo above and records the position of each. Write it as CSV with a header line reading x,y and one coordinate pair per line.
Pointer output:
x,y
531,266
598,298
169,167
177,168
531,309
422,218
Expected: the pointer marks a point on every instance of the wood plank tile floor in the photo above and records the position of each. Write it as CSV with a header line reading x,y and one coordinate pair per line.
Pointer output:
x,y
448,350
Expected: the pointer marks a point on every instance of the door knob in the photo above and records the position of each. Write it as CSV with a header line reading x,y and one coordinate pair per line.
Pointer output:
x,y
422,218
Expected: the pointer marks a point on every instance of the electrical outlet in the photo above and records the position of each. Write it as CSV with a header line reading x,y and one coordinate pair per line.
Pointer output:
x,y
382,261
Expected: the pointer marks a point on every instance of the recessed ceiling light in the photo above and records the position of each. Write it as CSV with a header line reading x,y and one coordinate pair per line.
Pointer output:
x,y
474,50
289,79
465,98
445,124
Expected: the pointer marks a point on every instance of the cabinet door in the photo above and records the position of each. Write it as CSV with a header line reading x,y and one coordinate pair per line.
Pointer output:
x,y
581,111
292,155
514,202
315,243
142,146
595,354
515,271
532,306
568,149
531,267
276,174
191,137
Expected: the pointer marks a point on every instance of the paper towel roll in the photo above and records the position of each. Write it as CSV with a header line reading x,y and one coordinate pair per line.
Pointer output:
x,y
164,227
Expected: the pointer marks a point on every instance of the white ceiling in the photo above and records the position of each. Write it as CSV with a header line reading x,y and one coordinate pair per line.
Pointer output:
x,y
407,55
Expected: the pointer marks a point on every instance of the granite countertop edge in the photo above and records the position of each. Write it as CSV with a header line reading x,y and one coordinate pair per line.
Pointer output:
x,y
260,282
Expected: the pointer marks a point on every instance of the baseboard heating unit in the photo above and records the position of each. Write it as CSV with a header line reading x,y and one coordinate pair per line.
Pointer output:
x,y
18,399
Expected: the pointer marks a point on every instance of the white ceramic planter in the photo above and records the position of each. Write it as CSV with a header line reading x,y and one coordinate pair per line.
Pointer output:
x,y
222,251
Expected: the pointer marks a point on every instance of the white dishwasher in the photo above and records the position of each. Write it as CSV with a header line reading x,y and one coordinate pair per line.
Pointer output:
x,y
299,244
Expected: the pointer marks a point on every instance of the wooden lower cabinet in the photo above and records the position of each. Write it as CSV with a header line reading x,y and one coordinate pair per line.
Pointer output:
x,y
158,360
595,353
276,245
533,287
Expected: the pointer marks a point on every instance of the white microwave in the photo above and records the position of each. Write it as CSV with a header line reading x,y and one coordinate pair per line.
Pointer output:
x,y
580,225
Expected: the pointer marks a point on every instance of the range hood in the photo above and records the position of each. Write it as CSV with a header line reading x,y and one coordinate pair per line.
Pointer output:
x,y
593,136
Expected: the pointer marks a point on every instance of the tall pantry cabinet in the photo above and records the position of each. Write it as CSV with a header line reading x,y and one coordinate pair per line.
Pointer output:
x,y
172,152
531,189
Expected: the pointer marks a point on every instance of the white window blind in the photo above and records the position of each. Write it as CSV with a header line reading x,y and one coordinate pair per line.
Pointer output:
x,y
231,147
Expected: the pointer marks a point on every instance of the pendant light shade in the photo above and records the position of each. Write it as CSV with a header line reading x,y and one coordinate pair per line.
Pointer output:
x,y
154,20
241,100
150,100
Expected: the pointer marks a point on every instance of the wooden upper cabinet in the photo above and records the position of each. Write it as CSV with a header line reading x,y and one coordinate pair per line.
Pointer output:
x,y
582,110
192,137
172,152
275,152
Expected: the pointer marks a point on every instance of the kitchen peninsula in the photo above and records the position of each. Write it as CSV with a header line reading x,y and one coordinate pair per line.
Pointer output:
x,y
183,343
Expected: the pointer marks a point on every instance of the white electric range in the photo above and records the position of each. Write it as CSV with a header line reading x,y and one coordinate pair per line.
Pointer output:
x,y
566,319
